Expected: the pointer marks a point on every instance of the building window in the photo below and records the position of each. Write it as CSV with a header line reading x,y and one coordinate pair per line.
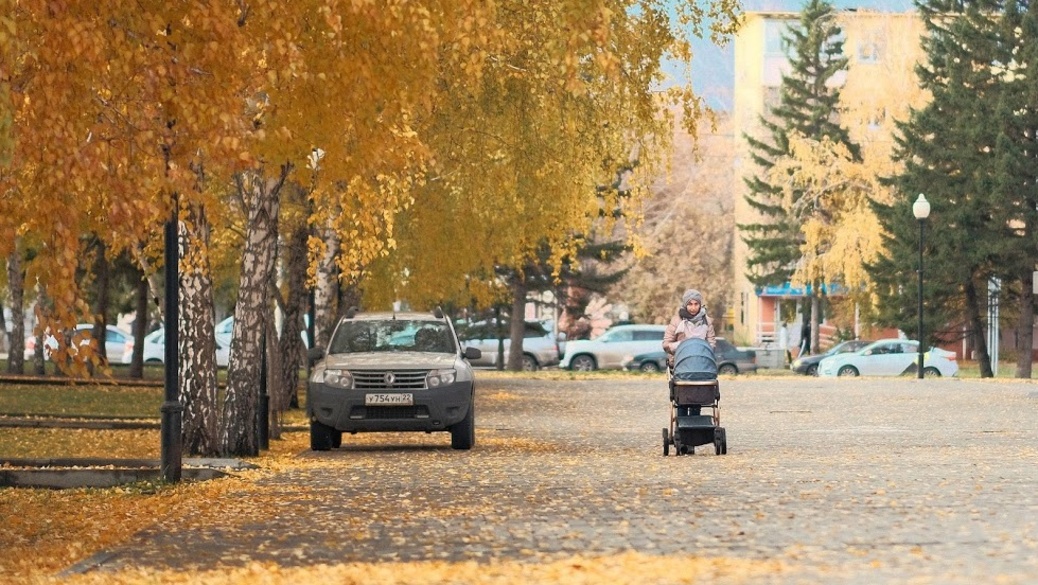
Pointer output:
x,y
774,40
876,120
870,50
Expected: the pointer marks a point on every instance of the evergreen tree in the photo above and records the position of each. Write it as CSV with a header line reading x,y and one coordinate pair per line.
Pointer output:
x,y
1016,190
808,105
948,153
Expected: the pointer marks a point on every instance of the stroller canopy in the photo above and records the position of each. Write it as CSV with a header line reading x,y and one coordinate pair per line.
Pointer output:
x,y
694,361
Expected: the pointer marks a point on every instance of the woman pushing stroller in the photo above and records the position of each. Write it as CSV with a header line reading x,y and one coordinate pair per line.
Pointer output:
x,y
690,322
692,376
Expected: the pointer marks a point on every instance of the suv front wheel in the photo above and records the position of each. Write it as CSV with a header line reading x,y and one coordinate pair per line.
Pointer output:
x,y
463,432
321,436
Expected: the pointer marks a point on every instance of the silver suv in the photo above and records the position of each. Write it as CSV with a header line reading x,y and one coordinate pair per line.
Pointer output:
x,y
540,349
392,372
609,350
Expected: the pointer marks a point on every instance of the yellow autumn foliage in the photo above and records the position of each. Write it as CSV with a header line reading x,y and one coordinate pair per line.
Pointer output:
x,y
457,135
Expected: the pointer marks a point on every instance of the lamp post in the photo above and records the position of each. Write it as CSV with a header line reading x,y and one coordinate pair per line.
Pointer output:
x,y
921,211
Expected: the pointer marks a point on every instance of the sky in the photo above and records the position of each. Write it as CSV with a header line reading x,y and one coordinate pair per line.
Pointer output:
x,y
713,67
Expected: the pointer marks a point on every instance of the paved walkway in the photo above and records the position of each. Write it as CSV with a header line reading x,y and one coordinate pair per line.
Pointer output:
x,y
850,481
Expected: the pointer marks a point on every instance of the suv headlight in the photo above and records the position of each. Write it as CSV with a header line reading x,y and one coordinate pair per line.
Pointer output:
x,y
334,378
437,378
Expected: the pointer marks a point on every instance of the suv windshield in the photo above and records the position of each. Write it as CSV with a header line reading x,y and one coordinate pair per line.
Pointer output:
x,y
391,335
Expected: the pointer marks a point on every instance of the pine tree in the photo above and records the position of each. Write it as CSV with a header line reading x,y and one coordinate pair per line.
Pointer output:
x,y
948,150
808,106
1016,151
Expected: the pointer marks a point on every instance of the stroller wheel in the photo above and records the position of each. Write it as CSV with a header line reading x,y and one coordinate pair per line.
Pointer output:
x,y
720,441
683,450
666,443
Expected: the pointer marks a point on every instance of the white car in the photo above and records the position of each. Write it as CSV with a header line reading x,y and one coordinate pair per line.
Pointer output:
x,y
225,328
889,357
155,349
608,351
115,341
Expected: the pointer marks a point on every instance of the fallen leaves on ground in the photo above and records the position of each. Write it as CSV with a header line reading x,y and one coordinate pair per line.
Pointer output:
x,y
628,567
46,531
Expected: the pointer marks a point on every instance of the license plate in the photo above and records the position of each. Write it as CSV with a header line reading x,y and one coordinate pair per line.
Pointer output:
x,y
386,399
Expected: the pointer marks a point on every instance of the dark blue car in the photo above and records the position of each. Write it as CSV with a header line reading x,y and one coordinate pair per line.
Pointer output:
x,y
808,365
730,360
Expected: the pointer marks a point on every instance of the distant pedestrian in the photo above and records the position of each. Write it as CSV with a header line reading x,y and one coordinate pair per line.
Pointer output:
x,y
805,338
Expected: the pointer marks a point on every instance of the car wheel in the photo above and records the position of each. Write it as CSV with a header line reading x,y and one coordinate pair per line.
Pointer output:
x,y
336,439
529,363
583,363
847,371
463,433
649,366
931,372
320,436
812,370
729,369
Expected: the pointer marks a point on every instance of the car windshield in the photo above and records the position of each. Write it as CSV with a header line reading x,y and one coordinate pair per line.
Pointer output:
x,y
391,335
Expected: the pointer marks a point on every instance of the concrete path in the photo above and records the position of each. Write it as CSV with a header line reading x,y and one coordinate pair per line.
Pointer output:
x,y
850,481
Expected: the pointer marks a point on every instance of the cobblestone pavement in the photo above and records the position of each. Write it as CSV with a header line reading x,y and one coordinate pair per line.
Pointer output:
x,y
851,481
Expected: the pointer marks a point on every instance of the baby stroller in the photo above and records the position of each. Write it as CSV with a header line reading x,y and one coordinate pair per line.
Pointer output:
x,y
693,386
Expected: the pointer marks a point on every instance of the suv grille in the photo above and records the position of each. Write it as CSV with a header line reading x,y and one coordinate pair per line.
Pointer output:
x,y
389,380
389,412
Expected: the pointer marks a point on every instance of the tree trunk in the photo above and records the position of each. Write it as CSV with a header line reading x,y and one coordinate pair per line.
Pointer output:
x,y
290,344
499,362
326,292
517,326
39,361
238,428
277,398
196,344
100,331
977,329
16,284
4,338
140,329
1025,326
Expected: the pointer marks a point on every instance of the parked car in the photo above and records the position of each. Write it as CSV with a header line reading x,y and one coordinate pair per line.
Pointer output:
x,y
889,357
224,330
540,348
808,365
115,341
730,360
372,378
155,349
607,351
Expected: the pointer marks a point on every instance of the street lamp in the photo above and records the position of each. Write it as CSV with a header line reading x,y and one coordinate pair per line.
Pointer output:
x,y
921,211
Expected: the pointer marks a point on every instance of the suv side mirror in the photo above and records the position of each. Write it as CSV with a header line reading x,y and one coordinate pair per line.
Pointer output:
x,y
314,353
472,353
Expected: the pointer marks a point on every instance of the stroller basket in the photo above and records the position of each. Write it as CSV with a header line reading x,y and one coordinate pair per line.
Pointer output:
x,y
686,394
